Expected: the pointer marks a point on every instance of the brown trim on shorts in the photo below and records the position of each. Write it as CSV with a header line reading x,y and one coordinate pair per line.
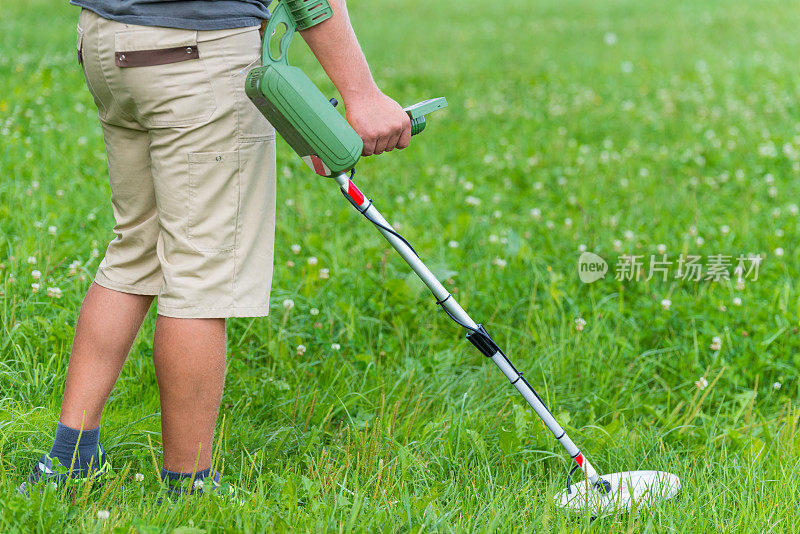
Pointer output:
x,y
159,56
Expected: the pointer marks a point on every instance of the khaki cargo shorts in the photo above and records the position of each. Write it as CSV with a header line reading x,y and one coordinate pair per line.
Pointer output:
x,y
191,163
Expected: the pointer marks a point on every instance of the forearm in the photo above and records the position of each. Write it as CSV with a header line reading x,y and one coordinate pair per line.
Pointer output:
x,y
336,47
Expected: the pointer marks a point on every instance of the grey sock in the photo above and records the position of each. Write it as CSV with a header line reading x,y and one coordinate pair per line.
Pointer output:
x,y
174,479
83,446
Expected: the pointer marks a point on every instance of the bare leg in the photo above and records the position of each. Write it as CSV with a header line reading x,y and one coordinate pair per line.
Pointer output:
x,y
189,358
107,326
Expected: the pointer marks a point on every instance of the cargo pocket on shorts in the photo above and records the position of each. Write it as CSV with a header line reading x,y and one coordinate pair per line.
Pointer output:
x,y
166,76
214,191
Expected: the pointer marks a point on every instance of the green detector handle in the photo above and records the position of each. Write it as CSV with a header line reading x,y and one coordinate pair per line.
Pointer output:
x,y
418,111
297,109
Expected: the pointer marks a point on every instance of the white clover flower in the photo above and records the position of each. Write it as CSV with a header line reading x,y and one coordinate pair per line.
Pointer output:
x,y
699,241
628,235
499,262
102,515
296,248
36,274
290,264
666,304
288,304
313,311
568,222
661,248
35,184
536,213
60,193
95,253
312,260
38,224
31,260
793,209
493,238
725,229
626,67
424,198
469,186
301,349
701,383
779,251
580,323
716,343
610,38
582,248
198,484
452,244
497,214
335,346
73,267
92,216
550,225
35,287
52,230
289,202
54,292
772,192
692,230
617,245
324,274
473,201
737,301
776,386
138,477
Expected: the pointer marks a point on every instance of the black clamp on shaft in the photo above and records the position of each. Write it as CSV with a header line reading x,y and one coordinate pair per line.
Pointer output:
x,y
483,342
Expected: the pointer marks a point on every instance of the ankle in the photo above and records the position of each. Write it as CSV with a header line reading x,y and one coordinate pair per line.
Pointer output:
x,y
76,449
177,480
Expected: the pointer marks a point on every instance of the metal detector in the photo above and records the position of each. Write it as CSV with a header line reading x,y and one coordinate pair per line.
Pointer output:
x,y
331,148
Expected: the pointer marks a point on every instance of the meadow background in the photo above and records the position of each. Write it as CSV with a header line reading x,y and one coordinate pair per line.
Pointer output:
x,y
614,126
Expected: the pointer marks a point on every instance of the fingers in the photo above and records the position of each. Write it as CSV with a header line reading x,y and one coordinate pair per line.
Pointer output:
x,y
382,144
382,124
394,139
405,137
395,136
369,146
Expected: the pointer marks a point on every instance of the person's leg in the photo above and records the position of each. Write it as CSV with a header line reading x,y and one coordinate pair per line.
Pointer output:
x,y
189,358
107,326
213,165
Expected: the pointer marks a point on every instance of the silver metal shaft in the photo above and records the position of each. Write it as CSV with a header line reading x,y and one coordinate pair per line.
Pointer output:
x,y
459,315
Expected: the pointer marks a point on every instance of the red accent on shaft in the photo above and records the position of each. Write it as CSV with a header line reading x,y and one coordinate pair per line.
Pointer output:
x,y
319,168
579,460
354,193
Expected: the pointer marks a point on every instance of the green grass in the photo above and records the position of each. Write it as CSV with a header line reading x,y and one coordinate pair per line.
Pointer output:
x,y
687,124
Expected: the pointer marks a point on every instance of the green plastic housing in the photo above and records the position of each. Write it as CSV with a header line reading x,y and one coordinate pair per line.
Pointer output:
x,y
295,106
308,13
